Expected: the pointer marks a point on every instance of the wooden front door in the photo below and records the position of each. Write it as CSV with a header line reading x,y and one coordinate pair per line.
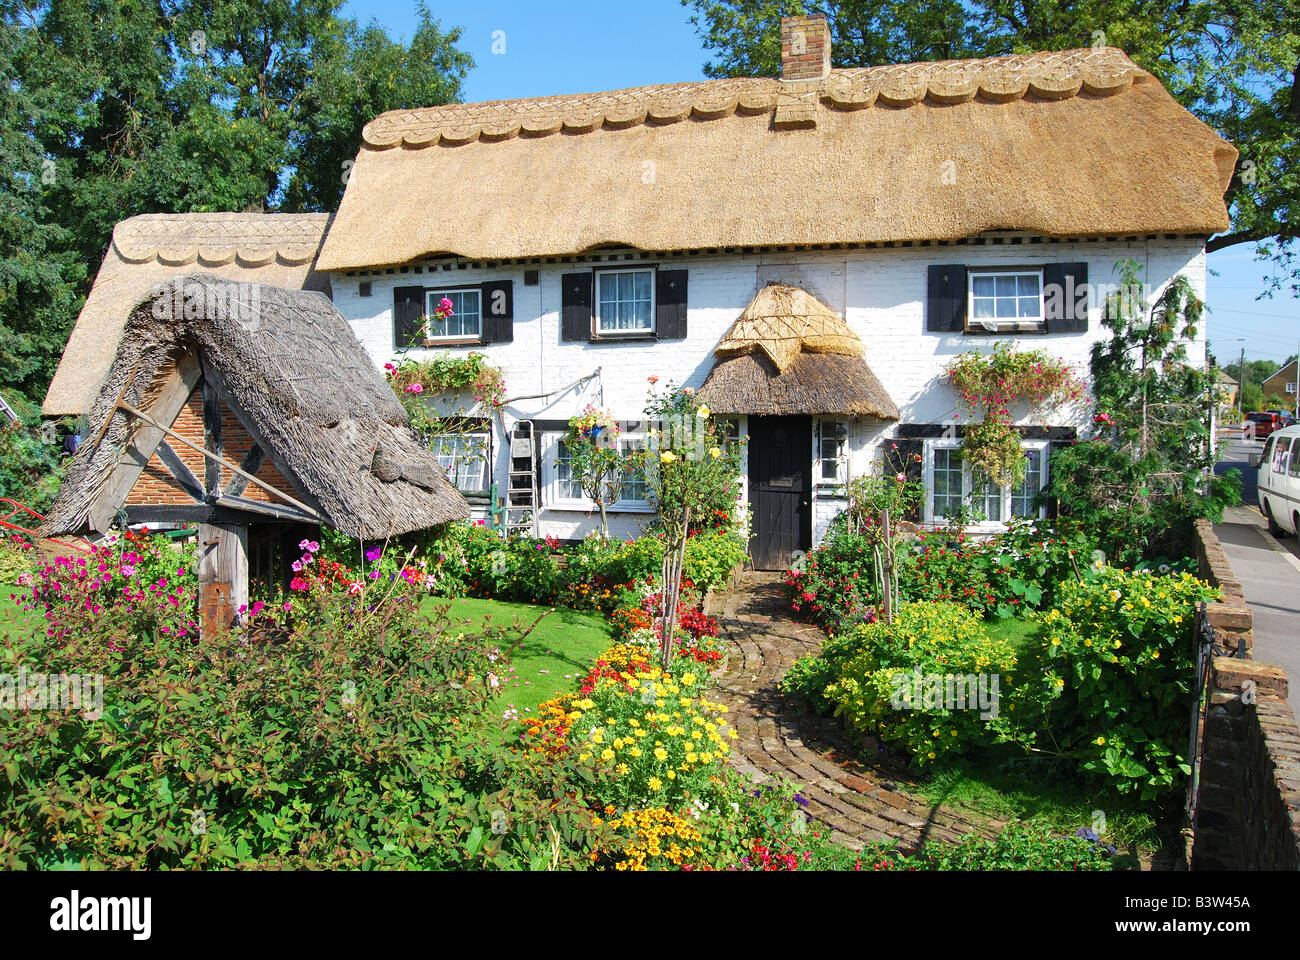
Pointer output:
x,y
780,471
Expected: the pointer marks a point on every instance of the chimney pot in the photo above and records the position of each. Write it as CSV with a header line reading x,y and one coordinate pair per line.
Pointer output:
x,y
805,48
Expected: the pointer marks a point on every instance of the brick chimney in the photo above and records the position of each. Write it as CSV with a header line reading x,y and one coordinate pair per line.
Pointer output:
x,y
805,48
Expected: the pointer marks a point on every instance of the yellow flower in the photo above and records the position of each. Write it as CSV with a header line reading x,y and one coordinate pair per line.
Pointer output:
x,y
667,456
607,754
655,783
1100,741
661,753
672,775
702,412
714,452
1155,654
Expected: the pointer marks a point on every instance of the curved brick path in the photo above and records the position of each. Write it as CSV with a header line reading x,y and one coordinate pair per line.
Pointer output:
x,y
778,737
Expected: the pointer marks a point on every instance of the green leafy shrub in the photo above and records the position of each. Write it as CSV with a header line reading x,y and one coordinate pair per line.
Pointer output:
x,y
935,683
30,469
1117,652
358,738
711,556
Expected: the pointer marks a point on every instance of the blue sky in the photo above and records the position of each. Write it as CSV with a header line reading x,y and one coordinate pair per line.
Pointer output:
x,y
590,45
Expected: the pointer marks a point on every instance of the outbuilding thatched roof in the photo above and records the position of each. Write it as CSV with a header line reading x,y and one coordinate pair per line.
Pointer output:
x,y
1065,144
275,248
291,370
789,353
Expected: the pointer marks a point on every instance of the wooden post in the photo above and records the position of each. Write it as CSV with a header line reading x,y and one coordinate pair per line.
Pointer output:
x,y
888,572
223,576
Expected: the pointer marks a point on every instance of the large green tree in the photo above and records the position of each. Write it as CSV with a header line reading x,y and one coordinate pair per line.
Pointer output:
x,y
112,109
1234,64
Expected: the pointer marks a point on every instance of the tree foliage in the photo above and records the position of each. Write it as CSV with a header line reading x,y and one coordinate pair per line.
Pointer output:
x,y
116,109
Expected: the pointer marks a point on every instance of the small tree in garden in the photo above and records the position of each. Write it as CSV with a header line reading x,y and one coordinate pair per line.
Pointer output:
x,y
690,469
595,460
1146,475
875,505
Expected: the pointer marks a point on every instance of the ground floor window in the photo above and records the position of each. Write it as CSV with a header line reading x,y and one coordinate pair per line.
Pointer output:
x,y
465,458
953,484
565,489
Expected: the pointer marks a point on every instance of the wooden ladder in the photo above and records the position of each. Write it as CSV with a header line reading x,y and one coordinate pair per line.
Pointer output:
x,y
521,490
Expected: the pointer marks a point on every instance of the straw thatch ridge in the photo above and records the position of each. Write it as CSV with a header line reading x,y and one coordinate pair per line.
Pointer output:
x,y
274,248
293,372
1079,143
781,321
789,353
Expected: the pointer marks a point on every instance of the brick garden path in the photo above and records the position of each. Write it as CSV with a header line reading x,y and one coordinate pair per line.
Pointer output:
x,y
779,737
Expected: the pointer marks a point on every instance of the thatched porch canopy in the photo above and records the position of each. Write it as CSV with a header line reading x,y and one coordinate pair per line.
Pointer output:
x,y
790,354
290,370
275,248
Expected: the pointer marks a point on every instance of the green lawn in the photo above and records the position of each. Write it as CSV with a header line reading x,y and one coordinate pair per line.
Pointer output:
x,y
559,651
13,618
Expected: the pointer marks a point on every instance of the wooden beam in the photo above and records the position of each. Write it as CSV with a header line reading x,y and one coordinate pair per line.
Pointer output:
x,y
212,439
251,463
180,470
223,576
171,399
226,463
272,511
183,513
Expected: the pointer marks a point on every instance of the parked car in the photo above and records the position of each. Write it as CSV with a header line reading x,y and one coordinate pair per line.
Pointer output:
x,y
1265,423
1279,481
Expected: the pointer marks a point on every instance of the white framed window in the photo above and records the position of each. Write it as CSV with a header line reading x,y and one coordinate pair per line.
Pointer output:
x,y
1290,388
831,443
951,482
465,322
1004,299
465,458
625,302
564,490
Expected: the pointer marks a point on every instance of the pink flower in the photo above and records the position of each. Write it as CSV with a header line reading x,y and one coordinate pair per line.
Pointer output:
x,y
414,388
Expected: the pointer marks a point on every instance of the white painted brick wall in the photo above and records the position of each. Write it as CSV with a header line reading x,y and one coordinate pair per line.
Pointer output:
x,y
882,294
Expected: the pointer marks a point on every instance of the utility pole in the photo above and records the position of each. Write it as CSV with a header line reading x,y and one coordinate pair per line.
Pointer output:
x,y
1241,380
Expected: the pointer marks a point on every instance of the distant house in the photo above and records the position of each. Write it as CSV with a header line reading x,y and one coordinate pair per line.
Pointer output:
x,y
1226,387
1282,383
810,251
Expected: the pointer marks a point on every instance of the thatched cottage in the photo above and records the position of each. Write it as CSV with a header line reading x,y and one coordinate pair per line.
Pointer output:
x,y
809,251
252,411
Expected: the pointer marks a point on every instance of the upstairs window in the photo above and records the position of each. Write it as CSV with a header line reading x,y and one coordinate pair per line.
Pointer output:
x,y
625,302
1005,300
465,322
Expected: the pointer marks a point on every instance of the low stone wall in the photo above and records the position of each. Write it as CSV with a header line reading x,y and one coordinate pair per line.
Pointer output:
x,y
1231,618
1248,797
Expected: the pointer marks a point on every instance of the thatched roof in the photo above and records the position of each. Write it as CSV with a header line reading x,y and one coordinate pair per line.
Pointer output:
x,y
789,353
273,248
294,374
1067,144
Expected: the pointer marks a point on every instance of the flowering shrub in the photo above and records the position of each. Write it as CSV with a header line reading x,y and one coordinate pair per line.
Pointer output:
x,y
18,555
897,681
657,839
834,588
1117,654
136,583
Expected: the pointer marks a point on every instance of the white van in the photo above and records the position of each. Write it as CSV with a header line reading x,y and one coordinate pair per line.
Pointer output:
x,y
1279,481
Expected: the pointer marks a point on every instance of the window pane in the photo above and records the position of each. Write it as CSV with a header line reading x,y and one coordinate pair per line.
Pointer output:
x,y
625,302
1022,497
1294,469
982,286
1007,307
1027,285
947,483
1029,307
1005,286
983,309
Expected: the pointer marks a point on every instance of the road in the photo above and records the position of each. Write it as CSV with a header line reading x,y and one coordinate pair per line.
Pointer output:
x,y
1268,568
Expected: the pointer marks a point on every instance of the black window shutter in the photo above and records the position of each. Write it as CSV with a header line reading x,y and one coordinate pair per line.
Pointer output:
x,y
575,306
670,304
496,305
905,457
1065,297
945,310
408,317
